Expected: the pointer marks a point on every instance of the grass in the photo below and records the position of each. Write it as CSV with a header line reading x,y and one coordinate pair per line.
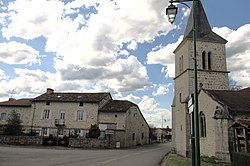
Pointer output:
x,y
176,160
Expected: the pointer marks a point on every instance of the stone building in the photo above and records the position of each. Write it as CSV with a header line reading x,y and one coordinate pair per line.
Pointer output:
x,y
72,114
213,79
21,106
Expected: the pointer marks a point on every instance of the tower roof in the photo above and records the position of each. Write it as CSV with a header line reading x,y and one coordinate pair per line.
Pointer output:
x,y
202,26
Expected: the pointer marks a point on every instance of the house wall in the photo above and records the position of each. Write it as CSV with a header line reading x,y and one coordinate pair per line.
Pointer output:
x,y
216,142
113,117
135,127
25,114
70,109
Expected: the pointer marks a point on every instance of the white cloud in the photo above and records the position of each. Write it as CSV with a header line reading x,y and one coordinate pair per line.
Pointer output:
x,y
160,118
18,53
132,45
162,90
2,75
164,56
238,51
148,104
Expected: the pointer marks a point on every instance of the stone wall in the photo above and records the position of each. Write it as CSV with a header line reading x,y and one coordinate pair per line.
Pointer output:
x,y
70,109
21,140
88,143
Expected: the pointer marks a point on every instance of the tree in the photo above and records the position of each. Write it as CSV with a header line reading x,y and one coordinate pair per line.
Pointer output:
x,y
94,131
13,126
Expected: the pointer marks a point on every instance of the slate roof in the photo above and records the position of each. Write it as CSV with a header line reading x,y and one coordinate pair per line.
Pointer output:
x,y
19,103
238,101
72,97
117,106
202,26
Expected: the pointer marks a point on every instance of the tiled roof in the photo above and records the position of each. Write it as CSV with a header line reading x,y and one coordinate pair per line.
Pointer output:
x,y
19,102
72,97
117,106
235,100
202,26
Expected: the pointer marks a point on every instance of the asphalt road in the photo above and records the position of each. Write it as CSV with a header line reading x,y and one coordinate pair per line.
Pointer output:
x,y
148,155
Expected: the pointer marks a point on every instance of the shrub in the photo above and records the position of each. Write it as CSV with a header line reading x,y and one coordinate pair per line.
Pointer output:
x,y
242,159
94,131
208,159
13,126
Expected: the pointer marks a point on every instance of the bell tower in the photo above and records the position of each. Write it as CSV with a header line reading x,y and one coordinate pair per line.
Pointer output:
x,y
212,73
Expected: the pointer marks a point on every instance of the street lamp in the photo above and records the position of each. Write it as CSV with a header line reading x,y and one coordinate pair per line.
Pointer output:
x,y
171,11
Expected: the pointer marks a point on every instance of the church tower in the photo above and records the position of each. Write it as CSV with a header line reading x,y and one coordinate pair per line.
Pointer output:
x,y
212,73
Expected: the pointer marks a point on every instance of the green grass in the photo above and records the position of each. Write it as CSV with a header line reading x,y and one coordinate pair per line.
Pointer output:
x,y
175,160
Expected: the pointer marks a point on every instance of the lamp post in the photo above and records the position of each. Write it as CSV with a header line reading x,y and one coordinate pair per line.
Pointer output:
x,y
171,11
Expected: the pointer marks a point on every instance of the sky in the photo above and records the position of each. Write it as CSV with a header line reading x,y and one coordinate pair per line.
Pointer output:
x,y
121,47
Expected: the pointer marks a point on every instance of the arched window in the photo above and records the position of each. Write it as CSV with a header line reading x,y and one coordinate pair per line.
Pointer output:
x,y
203,124
209,60
203,60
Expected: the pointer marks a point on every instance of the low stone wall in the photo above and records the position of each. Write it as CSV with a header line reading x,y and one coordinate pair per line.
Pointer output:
x,y
21,140
88,143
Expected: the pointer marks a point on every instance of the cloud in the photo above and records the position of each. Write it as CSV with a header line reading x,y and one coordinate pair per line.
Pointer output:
x,y
162,90
165,56
238,51
160,118
86,37
148,104
132,45
123,75
18,53
2,75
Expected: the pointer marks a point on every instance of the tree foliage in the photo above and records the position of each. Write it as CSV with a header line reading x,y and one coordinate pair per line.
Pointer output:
x,y
94,131
13,126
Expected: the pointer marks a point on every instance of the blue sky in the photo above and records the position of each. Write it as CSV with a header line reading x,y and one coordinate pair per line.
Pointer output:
x,y
117,46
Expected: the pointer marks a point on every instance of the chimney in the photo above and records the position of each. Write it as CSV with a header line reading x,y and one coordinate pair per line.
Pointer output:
x,y
50,91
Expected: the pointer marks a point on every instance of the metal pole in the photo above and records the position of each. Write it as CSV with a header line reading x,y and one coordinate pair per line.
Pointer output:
x,y
196,106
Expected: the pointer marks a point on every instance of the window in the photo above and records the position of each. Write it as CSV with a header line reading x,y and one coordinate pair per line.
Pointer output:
x,y
62,115
181,64
209,60
133,137
203,60
142,136
79,132
3,116
46,114
115,115
81,104
45,132
60,132
80,116
180,97
47,103
203,124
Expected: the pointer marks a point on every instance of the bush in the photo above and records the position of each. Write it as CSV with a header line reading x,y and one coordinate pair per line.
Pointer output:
x,y
14,124
242,159
208,159
94,131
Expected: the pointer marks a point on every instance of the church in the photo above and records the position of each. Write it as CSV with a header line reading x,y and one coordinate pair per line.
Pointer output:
x,y
224,115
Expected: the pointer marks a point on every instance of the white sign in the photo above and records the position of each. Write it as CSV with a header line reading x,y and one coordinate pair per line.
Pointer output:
x,y
191,109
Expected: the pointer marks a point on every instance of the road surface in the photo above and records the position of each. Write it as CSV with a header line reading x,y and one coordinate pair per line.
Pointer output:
x,y
148,155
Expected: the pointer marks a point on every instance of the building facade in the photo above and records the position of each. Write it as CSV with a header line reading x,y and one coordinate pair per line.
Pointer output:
x,y
73,114
218,112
